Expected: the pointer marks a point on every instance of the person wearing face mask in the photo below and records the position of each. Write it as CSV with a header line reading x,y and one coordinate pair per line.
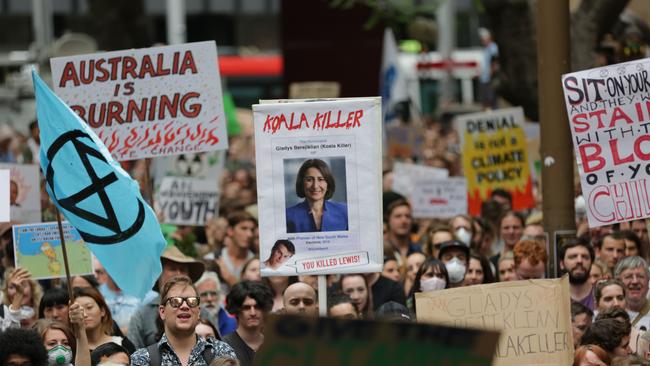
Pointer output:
x,y
58,341
463,228
455,255
63,344
432,276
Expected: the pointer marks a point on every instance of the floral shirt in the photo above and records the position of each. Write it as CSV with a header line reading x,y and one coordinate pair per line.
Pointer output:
x,y
169,358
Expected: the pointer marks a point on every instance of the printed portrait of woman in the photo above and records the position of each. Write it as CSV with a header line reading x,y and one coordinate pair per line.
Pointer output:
x,y
316,184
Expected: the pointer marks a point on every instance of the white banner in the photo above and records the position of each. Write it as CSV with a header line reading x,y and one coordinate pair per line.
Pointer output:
x,y
404,176
439,198
147,102
187,201
609,117
319,186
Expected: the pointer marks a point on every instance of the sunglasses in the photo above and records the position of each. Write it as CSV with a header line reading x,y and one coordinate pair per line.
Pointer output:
x,y
177,301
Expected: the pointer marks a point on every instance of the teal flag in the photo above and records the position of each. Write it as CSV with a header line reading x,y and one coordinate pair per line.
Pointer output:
x,y
97,196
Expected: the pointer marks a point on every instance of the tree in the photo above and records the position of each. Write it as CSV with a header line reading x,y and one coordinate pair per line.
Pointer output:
x,y
513,23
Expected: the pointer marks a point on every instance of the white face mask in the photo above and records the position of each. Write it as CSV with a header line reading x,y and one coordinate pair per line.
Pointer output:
x,y
456,270
432,284
464,235
26,312
59,356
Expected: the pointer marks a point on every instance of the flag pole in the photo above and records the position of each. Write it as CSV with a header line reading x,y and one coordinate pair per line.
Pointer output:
x,y
65,253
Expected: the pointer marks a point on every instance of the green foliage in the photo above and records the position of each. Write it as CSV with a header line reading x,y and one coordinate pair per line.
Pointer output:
x,y
392,13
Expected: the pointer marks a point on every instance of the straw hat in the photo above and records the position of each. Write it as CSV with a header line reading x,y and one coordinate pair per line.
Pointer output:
x,y
195,267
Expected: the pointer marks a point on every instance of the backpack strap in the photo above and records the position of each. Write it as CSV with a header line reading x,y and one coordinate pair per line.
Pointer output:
x,y
154,354
208,355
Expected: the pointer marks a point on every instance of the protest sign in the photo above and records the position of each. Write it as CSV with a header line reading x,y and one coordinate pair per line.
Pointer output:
x,y
293,340
187,201
147,102
24,192
319,157
204,165
404,176
609,116
4,195
495,156
37,248
433,198
314,89
534,317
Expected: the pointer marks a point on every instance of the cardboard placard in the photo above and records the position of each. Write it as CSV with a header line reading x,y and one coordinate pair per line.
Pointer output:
x,y
292,340
334,143
187,201
147,102
495,156
315,89
534,317
24,193
37,248
609,113
439,198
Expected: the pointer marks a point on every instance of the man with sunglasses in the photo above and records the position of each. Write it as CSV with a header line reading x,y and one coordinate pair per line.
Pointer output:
x,y
179,344
249,301
142,325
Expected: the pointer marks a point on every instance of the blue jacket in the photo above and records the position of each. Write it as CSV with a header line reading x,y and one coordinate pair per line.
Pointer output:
x,y
300,220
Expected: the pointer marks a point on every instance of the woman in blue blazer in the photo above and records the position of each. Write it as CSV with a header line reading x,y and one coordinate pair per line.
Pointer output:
x,y
315,183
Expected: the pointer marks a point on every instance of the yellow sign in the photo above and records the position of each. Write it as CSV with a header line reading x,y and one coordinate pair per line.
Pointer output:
x,y
495,156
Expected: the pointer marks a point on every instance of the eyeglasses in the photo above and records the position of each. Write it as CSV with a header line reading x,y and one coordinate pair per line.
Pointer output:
x,y
177,301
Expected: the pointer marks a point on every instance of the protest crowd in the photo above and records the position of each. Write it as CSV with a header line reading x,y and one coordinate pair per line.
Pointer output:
x,y
210,302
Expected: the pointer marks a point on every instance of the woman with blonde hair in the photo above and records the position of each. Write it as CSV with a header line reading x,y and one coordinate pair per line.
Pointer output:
x,y
21,296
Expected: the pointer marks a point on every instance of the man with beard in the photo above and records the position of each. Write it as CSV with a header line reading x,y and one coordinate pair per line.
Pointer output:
x,y
576,257
249,301
209,289
633,272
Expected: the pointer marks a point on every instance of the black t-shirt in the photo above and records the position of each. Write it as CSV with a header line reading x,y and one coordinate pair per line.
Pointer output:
x,y
244,353
385,290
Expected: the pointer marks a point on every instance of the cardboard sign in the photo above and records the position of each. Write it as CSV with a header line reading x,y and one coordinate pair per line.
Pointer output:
x,y
5,187
24,192
187,201
292,340
404,176
319,157
147,102
37,247
315,89
495,156
609,117
443,198
534,317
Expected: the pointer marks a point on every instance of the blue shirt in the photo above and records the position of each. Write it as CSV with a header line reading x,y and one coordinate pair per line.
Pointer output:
x,y
300,219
